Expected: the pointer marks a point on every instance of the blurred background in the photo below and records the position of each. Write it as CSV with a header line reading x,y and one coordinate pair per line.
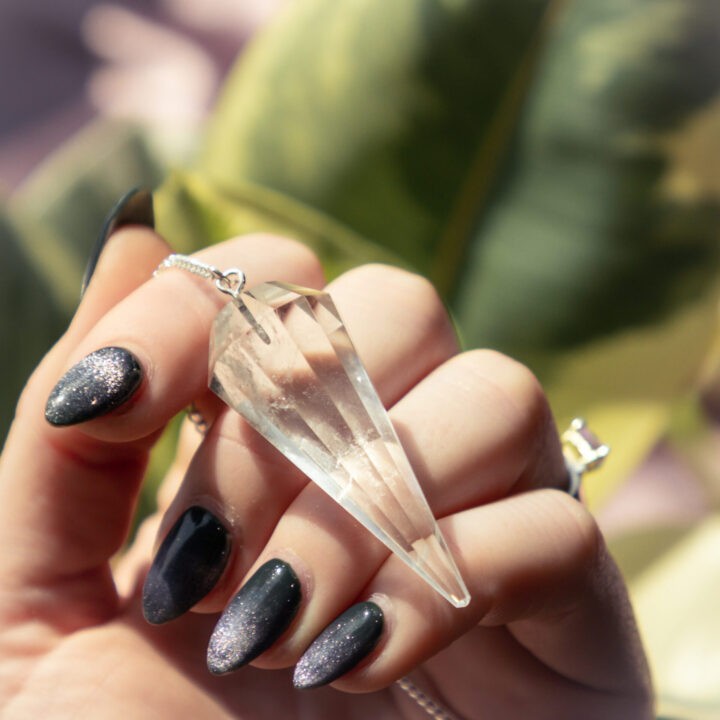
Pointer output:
x,y
156,63
551,165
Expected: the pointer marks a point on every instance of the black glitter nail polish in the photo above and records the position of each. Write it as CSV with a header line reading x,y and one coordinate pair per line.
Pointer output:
x,y
99,383
255,618
340,647
133,208
188,565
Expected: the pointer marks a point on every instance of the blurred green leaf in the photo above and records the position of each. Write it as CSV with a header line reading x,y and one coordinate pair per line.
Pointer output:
x,y
586,222
29,321
61,207
192,213
597,261
47,230
376,114
545,163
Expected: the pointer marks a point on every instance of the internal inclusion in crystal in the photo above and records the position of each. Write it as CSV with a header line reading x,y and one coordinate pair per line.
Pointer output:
x,y
282,358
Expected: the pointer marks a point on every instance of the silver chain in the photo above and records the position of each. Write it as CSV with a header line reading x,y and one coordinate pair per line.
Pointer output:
x,y
198,420
231,282
423,700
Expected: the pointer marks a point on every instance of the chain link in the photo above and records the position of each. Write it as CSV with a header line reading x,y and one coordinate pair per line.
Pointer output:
x,y
231,282
424,701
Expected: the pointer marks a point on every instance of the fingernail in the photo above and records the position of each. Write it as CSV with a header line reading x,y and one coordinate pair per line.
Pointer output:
x,y
99,383
340,647
188,565
255,618
133,208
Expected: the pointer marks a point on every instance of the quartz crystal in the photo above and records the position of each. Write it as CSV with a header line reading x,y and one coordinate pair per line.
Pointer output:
x,y
282,358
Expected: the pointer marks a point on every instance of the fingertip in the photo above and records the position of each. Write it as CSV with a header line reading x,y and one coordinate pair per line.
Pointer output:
x,y
95,386
341,647
133,208
187,566
256,618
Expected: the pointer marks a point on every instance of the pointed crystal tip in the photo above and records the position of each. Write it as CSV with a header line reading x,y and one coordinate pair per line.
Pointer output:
x,y
284,360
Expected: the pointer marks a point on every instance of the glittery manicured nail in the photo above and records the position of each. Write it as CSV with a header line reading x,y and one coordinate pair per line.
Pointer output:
x,y
255,618
99,383
188,565
340,647
133,208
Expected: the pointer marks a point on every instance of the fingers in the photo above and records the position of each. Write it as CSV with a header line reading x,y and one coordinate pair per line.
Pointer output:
x,y
51,499
490,408
165,327
297,560
535,563
238,476
478,428
70,490
489,411
311,560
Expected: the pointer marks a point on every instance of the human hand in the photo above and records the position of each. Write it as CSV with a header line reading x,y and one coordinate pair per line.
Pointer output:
x,y
549,631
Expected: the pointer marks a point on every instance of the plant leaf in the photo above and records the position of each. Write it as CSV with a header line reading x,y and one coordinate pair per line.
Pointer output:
x,y
597,261
28,320
192,213
561,199
373,113
46,232
587,228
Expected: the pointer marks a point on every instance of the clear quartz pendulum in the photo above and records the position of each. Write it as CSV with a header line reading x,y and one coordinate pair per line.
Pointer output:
x,y
281,357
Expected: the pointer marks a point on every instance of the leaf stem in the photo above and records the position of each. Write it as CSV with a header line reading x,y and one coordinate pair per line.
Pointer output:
x,y
474,194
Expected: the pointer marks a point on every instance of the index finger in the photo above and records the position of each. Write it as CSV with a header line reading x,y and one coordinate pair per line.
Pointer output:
x,y
153,347
69,491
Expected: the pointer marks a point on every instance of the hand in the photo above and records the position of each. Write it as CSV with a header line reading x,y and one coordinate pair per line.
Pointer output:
x,y
549,631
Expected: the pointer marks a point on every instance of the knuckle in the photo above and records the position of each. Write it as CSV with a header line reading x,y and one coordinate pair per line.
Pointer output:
x,y
513,387
522,418
292,253
402,281
416,287
303,258
414,293
525,391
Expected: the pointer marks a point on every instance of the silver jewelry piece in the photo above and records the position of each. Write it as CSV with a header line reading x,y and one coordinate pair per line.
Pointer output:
x,y
231,282
582,451
431,707
197,419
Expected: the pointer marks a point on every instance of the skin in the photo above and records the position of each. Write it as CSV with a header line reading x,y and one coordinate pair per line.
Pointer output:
x,y
549,632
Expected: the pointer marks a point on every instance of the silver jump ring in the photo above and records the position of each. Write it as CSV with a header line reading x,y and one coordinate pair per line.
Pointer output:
x,y
231,282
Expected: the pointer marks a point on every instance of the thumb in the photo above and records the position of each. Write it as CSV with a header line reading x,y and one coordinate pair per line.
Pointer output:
x,y
65,500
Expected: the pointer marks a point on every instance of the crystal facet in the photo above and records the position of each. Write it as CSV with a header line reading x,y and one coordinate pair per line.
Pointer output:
x,y
282,358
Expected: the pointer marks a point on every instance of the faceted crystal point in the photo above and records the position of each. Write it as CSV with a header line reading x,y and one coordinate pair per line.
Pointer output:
x,y
283,360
